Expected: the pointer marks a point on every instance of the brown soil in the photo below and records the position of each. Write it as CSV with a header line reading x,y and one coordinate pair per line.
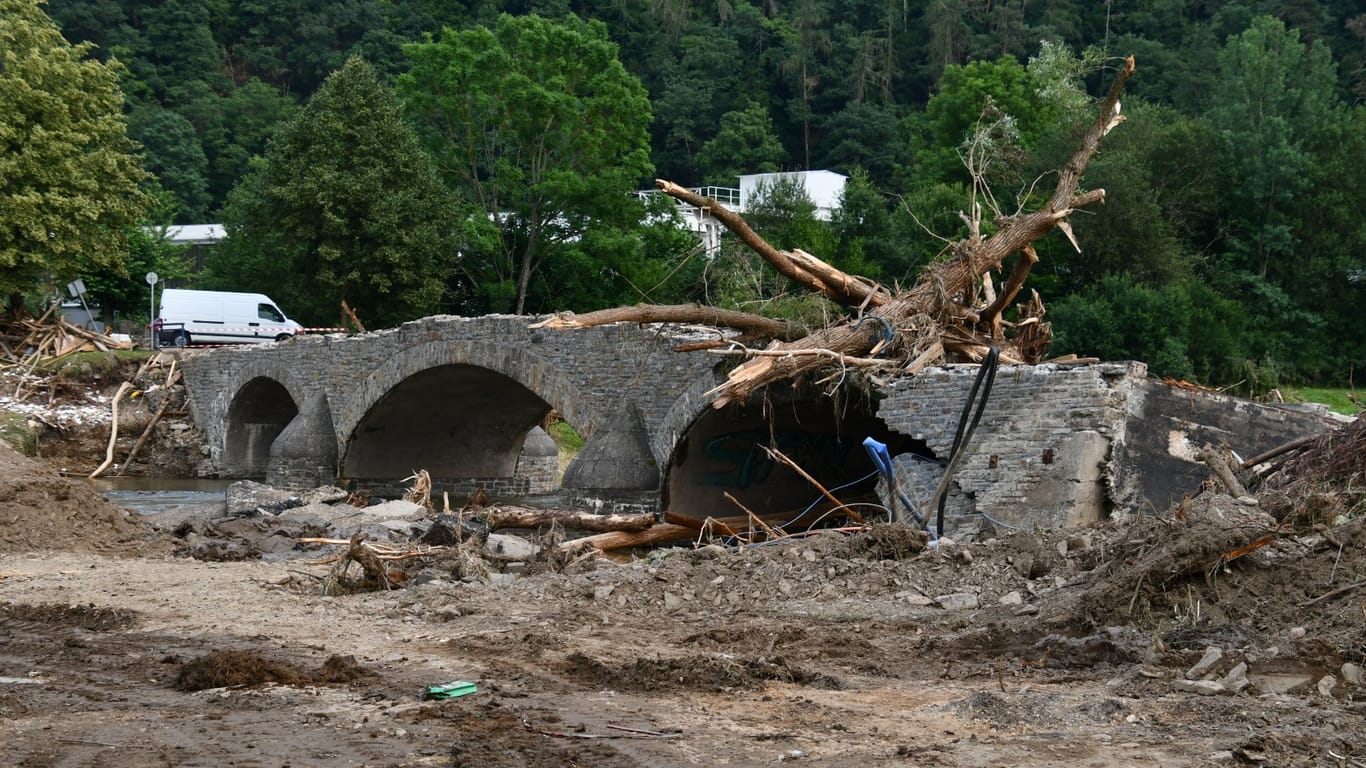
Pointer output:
x,y
831,650
172,448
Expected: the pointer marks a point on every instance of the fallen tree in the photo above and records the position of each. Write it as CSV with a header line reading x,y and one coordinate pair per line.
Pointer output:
x,y
953,312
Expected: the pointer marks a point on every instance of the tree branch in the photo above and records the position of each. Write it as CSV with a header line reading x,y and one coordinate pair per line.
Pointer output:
x,y
749,324
942,290
840,287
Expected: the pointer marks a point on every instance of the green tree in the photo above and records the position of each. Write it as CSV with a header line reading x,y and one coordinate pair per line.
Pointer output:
x,y
537,121
1276,95
807,42
1159,175
745,143
1002,93
123,293
344,206
705,82
69,174
172,152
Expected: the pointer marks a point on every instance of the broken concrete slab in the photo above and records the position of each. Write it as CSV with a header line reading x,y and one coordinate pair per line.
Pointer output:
x,y
1202,687
1213,655
1280,683
514,547
959,601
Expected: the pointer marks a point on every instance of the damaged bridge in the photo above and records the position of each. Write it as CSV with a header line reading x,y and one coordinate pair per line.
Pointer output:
x,y
468,400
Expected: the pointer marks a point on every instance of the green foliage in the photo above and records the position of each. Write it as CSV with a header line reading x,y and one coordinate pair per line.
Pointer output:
x,y
745,144
784,215
123,292
175,156
1158,173
656,263
1276,95
344,207
695,95
995,101
1344,401
537,121
1240,155
565,437
1179,330
69,178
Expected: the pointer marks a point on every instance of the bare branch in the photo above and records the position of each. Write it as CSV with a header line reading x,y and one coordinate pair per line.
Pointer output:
x,y
839,287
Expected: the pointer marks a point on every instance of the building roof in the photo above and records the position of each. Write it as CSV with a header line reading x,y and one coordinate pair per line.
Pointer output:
x,y
194,234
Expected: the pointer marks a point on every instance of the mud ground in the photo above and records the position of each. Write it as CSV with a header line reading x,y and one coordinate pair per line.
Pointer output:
x,y
1035,649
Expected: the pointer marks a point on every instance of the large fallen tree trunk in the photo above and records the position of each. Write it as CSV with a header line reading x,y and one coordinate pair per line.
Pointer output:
x,y
938,318
525,517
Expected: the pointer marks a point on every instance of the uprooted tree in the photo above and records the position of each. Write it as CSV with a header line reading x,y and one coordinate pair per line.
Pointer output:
x,y
953,311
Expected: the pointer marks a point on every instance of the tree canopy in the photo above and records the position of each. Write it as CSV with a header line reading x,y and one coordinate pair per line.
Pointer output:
x,y
1233,215
344,206
539,123
69,176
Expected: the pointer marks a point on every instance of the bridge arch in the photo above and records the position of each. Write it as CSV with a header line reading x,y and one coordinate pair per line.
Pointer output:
x,y
262,398
464,411
713,452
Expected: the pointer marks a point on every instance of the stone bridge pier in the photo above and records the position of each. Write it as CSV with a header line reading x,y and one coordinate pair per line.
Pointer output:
x,y
467,400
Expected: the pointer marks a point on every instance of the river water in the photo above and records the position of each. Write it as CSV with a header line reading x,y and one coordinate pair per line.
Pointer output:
x,y
151,495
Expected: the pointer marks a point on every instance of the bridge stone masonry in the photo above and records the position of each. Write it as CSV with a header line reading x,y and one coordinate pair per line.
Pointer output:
x,y
466,399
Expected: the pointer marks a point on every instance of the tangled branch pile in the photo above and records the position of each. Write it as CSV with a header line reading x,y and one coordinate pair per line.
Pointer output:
x,y
1324,483
953,312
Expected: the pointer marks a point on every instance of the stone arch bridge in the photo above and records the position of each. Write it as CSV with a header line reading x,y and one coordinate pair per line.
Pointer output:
x,y
466,399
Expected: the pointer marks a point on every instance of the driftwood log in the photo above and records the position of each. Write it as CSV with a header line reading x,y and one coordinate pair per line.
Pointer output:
x,y
525,517
658,533
939,318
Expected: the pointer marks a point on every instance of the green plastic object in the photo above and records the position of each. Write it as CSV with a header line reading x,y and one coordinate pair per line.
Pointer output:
x,y
451,690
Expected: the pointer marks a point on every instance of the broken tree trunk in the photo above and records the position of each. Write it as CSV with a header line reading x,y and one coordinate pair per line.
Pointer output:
x,y
525,517
746,323
655,534
936,318
113,430
943,291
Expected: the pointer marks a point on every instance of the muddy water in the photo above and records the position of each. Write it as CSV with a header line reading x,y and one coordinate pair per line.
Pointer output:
x,y
151,495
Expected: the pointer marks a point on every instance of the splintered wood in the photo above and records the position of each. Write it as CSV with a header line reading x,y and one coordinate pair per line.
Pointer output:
x,y
29,342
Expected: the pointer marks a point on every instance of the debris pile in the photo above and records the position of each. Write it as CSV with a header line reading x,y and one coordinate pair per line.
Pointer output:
x,y
27,342
1321,484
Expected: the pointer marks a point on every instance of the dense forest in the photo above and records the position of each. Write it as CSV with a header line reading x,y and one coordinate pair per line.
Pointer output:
x,y
471,157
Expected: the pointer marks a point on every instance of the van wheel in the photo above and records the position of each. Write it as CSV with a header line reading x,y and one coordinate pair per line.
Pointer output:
x,y
182,340
283,337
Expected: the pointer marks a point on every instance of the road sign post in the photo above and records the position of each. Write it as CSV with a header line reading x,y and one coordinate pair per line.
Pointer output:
x,y
152,315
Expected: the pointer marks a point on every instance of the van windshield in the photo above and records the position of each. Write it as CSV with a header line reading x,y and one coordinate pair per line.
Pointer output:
x,y
268,312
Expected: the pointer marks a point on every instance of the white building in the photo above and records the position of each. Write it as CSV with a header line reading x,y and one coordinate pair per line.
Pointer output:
x,y
824,188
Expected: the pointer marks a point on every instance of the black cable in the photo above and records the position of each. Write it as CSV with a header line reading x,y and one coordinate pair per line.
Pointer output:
x,y
963,435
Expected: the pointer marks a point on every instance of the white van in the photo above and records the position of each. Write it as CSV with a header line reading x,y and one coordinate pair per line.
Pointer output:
x,y
220,317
